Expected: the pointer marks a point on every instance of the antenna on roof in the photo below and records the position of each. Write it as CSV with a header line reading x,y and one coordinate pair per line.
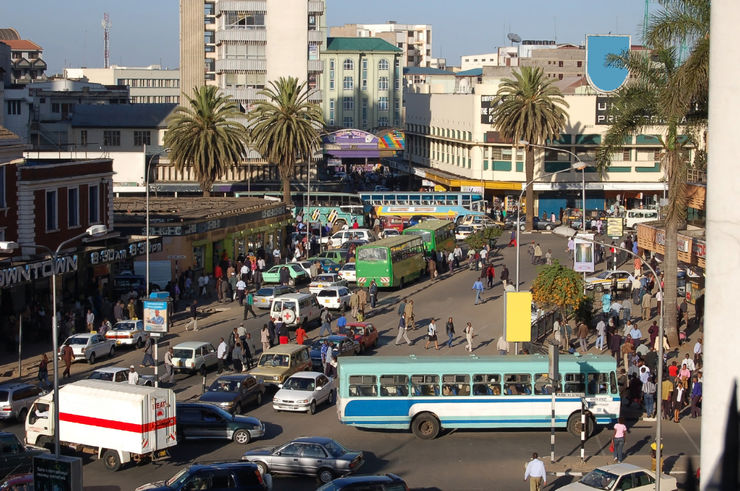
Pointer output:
x,y
106,40
514,38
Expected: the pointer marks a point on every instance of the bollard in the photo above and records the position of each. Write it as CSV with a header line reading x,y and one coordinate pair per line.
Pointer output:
x,y
203,387
583,429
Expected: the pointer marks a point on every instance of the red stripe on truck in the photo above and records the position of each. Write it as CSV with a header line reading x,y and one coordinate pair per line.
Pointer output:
x,y
117,425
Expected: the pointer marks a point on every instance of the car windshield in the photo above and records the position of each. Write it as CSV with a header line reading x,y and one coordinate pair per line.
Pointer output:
x,y
296,268
328,293
224,385
265,292
603,275
372,254
274,360
124,326
101,376
182,353
349,267
296,383
334,449
599,479
178,479
82,341
325,277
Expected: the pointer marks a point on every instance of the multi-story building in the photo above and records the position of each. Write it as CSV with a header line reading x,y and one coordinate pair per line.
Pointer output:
x,y
361,84
468,62
147,85
26,57
414,40
11,151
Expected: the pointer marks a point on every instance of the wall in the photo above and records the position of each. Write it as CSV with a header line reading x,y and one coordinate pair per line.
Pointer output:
x,y
192,50
287,39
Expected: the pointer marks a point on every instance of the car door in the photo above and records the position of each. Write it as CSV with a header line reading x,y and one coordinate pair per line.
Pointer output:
x,y
286,459
643,481
210,355
213,424
248,389
121,377
625,482
312,457
323,394
188,422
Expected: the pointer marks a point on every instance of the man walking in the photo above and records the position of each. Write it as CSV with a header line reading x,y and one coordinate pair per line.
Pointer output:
x,y
133,376
221,353
169,369
193,317
67,356
450,328
148,360
537,254
248,306
502,346
582,336
469,336
536,473
601,335
647,300
504,275
477,288
402,331
373,290
408,311
325,322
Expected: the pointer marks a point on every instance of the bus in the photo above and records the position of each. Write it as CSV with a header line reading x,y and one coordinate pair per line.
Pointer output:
x,y
428,394
437,235
391,262
447,205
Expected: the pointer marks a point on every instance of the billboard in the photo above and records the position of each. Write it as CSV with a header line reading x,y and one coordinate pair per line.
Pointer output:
x,y
156,316
518,317
601,74
583,258
614,227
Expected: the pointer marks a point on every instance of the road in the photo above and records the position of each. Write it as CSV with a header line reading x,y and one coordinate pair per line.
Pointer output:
x,y
457,460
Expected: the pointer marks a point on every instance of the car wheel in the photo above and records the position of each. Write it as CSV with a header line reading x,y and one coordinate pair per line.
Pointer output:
x,y
332,398
112,352
312,408
548,227
325,475
241,437
111,460
203,370
522,227
22,415
262,468
291,282
91,359
238,408
361,350
425,426
259,398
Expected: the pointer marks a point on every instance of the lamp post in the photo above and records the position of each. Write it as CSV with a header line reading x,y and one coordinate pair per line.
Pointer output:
x,y
569,232
94,230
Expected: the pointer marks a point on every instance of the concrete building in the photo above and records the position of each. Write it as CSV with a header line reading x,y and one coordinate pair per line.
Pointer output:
x,y
468,62
361,84
414,40
11,151
147,85
26,57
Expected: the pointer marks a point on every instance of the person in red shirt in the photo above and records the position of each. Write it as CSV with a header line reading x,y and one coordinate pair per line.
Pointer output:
x,y
300,334
355,225
673,370
218,272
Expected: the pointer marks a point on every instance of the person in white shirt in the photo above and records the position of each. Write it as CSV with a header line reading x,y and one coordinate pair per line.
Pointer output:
x,y
221,354
244,271
536,473
688,363
133,376
241,289
697,351
432,334
601,338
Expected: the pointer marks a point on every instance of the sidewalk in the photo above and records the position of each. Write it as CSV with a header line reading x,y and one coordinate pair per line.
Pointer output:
x,y
571,465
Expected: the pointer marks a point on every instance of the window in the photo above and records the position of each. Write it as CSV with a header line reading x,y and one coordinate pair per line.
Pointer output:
x,y
455,385
349,64
560,63
382,83
518,384
598,383
73,207
574,383
111,138
14,107
51,211
142,138
579,64
487,384
394,385
331,74
364,74
363,386
93,203
348,103
383,65
383,121
349,83
83,137
364,112
383,103
331,112
543,384
424,385
347,122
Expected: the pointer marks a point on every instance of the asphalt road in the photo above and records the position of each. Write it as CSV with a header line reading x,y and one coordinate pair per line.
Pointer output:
x,y
457,460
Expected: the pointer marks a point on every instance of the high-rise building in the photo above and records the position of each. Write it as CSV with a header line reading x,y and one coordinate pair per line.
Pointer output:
x,y
241,45
415,40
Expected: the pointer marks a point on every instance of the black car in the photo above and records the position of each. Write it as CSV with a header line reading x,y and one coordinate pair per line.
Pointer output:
x,y
197,420
226,475
14,457
537,223
341,346
233,392
388,482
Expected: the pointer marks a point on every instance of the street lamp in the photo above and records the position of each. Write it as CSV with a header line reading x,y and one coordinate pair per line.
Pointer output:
x,y
94,230
569,232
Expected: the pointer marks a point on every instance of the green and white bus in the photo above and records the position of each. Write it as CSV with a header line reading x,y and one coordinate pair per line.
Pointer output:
x,y
437,235
391,262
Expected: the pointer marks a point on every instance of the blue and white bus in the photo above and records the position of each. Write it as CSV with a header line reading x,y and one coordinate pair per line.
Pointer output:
x,y
427,394
442,205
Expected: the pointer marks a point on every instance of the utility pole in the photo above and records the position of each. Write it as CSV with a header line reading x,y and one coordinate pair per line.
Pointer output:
x,y
106,40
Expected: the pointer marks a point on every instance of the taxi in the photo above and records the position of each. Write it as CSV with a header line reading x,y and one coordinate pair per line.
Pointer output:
x,y
603,280
325,281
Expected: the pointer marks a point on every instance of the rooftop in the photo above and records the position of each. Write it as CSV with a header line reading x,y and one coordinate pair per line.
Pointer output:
x,y
169,210
121,115
360,44
421,70
474,72
21,44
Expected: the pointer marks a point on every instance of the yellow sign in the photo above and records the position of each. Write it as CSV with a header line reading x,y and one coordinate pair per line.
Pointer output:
x,y
518,317
614,227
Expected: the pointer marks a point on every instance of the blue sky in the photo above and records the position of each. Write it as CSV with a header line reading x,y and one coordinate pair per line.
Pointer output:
x,y
145,32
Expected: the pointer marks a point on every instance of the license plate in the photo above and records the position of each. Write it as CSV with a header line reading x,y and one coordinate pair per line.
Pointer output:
x,y
119,342
327,301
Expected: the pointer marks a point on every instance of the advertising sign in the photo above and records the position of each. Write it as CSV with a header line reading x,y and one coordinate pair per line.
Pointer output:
x,y
583,260
156,316
614,227
602,74
63,473
518,317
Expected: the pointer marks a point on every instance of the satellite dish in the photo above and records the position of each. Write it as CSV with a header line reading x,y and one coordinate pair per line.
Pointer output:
x,y
514,38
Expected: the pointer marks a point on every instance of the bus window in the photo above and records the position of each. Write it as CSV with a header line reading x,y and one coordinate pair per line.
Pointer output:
x,y
455,385
394,385
543,385
574,382
613,382
415,200
372,254
487,385
425,385
362,386
598,383
518,384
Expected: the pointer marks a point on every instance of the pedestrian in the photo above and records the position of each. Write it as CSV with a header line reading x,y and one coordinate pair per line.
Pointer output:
x,y
236,357
504,275
477,288
67,356
450,329
300,334
408,311
659,301
247,350
265,338
131,308
432,334
402,334
133,376
697,353
241,289
324,350
43,374
354,304
283,333
647,300
502,346
536,473
221,352
648,396
193,317
468,330
548,257
341,323
90,320
696,394
169,367
582,336
401,307
373,290
537,254
272,328
118,311
325,322
490,275
677,400
618,440
248,306
530,251
667,396
148,348
601,335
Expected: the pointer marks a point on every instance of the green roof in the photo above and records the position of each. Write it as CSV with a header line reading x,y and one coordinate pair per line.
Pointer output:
x,y
359,44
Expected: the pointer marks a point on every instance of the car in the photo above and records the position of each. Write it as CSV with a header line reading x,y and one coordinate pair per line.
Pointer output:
x,y
342,345
296,308
90,346
194,357
327,265
234,392
306,265
313,456
219,475
621,476
417,219
297,274
264,296
390,232
348,272
338,256
303,391
339,238
603,280
365,334
119,375
388,482
280,362
334,298
462,232
537,223
16,399
200,420
128,332
326,280
15,458
17,482
483,222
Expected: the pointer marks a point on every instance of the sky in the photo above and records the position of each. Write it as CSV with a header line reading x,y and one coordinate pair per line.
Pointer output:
x,y
145,32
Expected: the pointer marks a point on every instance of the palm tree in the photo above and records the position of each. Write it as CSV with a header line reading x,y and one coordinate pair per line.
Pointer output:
x,y
284,128
206,135
528,107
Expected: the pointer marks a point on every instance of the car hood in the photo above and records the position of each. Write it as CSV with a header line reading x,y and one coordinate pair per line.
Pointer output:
x,y
576,486
219,396
152,486
261,372
247,420
293,394
258,451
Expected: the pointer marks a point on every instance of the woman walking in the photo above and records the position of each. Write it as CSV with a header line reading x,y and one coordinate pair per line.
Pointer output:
x,y
450,327
43,374
618,440
469,336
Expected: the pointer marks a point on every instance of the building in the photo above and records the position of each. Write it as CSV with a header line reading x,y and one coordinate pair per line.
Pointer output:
x,y
468,62
414,40
11,151
147,85
428,80
27,64
361,84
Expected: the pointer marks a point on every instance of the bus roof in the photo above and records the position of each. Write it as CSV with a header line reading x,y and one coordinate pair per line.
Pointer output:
x,y
393,241
431,225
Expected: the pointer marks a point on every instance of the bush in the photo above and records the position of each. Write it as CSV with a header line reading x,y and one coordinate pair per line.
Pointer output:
x,y
480,239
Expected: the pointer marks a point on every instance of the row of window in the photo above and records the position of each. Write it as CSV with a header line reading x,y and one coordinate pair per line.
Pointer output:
x,y
443,132
172,83
155,99
112,138
73,207
348,82
349,64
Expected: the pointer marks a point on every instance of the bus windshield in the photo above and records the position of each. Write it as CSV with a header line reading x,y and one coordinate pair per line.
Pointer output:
x,y
372,254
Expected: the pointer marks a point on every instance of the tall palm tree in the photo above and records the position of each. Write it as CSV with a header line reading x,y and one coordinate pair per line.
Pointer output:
x,y
284,128
528,107
206,135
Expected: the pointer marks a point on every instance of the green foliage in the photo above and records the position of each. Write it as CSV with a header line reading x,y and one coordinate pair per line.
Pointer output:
x,y
558,286
585,310
480,239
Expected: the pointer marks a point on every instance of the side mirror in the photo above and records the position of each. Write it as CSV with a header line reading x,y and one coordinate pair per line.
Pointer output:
x,y
280,386
320,387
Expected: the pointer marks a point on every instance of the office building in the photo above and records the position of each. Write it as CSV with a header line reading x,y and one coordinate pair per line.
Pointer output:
x,y
414,40
147,85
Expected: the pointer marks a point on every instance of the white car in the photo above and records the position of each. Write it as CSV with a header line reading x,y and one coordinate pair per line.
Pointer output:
x,y
194,357
348,272
334,297
264,296
303,391
603,280
90,346
129,332
462,232
621,476
343,236
306,265
119,375
325,281
389,232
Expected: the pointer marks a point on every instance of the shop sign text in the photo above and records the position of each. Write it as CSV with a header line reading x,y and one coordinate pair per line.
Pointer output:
x,y
128,252
16,275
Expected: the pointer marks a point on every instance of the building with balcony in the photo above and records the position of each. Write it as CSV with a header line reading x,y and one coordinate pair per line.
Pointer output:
x,y
27,64
147,85
414,40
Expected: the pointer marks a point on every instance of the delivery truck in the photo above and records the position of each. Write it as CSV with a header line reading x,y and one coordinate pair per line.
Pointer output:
x,y
120,423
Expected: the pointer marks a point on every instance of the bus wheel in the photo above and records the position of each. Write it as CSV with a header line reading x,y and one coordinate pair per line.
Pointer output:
x,y
574,425
425,426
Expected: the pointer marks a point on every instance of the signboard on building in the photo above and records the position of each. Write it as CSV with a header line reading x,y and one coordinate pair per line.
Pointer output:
x,y
583,259
601,73
26,273
129,251
487,103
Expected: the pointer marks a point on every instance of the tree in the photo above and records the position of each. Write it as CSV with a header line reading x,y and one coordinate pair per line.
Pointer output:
x,y
528,107
558,286
206,135
285,127
482,238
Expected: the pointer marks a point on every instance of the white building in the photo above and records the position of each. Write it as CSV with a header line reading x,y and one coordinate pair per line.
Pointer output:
x,y
468,62
415,40
149,85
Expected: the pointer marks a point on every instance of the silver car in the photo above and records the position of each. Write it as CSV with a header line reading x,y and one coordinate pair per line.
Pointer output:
x,y
119,375
265,295
16,399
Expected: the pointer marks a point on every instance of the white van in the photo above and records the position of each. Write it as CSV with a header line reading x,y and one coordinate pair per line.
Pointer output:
x,y
294,307
640,215
343,236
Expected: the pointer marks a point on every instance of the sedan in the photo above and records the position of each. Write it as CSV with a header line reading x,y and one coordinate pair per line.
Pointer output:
x,y
389,232
341,344
233,392
537,223
90,346
119,375
197,420
303,391
621,476
264,296
327,265
603,280
334,297
237,475
130,332
462,232
365,334
313,456
296,272
348,272
325,281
